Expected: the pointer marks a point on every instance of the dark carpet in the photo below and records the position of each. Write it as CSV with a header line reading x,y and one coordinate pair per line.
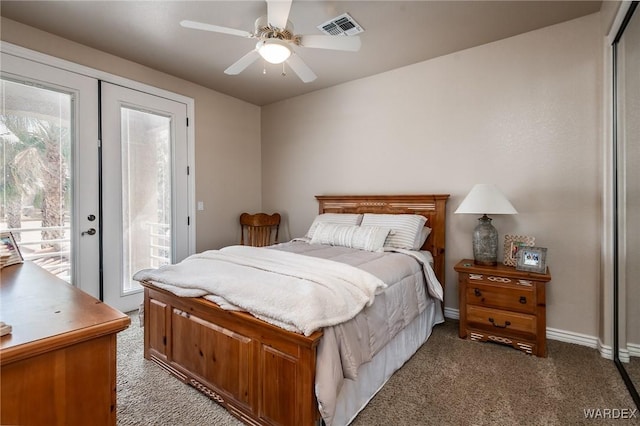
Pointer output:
x,y
449,381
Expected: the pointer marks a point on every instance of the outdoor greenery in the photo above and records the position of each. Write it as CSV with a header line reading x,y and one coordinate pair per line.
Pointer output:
x,y
34,162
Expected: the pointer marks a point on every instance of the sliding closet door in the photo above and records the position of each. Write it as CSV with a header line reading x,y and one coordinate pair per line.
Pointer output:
x,y
145,189
49,168
627,141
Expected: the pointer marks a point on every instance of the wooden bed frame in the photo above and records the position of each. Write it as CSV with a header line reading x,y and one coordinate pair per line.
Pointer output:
x,y
260,373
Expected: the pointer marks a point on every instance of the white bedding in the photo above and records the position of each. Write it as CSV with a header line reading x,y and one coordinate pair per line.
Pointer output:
x,y
355,394
319,292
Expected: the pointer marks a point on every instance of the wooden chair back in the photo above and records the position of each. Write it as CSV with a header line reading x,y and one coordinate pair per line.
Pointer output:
x,y
259,229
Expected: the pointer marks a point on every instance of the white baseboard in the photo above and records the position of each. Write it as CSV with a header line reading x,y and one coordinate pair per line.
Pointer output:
x,y
633,349
451,313
572,337
606,351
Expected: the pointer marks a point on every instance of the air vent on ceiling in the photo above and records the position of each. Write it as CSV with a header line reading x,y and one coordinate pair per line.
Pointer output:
x,y
341,25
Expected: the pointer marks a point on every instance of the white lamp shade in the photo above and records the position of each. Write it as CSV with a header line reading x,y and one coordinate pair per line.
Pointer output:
x,y
486,198
274,51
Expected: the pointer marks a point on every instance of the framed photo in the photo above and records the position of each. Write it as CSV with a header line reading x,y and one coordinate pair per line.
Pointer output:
x,y
512,244
9,251
532,259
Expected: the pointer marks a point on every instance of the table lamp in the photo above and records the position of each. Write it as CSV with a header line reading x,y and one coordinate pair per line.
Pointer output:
x,y
485,199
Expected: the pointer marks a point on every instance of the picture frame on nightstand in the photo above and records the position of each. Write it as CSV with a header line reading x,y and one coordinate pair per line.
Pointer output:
x,y
532,259
512,244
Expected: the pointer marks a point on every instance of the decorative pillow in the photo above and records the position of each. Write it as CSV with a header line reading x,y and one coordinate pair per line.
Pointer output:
x,y
406,228
422,237
337,218
370,238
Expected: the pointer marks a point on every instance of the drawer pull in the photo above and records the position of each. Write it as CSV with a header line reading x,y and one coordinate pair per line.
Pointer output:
x,y
477,292
499,279
506,323
523,300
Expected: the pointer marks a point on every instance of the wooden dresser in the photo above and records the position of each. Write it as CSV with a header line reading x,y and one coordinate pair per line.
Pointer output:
x,y
503,305
58,365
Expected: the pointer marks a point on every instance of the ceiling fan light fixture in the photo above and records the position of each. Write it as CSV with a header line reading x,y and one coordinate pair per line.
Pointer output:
x,y
274,51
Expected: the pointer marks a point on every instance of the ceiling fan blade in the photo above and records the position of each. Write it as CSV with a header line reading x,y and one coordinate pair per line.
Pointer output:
x,y
348,43
215,28
301,69
278,12
242,63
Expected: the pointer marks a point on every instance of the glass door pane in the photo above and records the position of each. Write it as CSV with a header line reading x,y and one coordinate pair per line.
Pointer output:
x,y
146,192
36,132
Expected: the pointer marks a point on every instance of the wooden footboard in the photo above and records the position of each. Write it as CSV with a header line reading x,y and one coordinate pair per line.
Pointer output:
x,y
260,373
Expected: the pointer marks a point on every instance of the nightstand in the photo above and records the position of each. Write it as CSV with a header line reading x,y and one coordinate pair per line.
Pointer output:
x,y
503,305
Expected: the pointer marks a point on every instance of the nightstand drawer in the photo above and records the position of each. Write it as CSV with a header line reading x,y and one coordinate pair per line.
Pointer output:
x,y
513,298
500,321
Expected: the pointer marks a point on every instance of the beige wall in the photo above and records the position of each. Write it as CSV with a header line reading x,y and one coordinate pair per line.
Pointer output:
x,y
227,134
524,113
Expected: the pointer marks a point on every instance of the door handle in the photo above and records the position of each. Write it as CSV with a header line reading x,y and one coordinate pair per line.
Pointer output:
x,y
90,231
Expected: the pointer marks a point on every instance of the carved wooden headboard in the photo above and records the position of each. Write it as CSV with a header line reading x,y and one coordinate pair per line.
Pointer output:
x,y
433,207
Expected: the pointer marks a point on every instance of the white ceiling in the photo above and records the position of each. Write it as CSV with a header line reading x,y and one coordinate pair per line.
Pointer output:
x,y
397,33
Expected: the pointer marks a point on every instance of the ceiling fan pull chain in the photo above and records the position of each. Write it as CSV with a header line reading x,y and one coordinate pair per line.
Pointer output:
x,y
284,70
264,67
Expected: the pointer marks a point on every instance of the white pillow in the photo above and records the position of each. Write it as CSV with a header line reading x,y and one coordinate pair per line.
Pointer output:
x,y
422,237
337,218
406,228
370,238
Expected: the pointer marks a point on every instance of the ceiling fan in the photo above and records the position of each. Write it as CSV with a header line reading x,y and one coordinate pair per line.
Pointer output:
x,y
276,39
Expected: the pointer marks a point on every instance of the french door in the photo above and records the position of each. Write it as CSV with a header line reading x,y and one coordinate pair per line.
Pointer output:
x,y
94,177
49,162
145,201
